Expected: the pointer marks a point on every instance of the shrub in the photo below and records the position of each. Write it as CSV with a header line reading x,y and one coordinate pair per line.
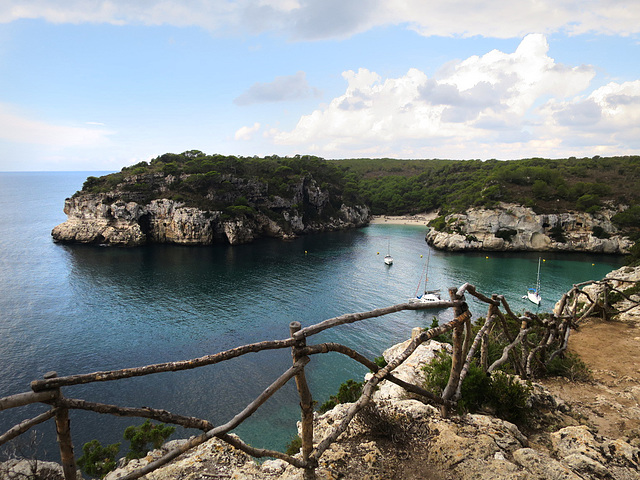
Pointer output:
x,y
438,223
144,434
500,393
97,460
294,445
569,366
508,396
349,392
380,362
446,337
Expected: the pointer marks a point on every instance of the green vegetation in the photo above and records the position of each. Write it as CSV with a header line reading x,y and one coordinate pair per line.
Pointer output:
x,y
387,186
569,365
395,187
349,391
145,434
294,445
500,393
97,460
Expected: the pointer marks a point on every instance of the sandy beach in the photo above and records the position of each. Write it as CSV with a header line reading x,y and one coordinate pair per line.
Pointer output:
x,y
418,219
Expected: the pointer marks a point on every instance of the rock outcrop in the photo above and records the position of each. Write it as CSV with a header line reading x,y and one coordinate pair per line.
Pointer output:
x,y
510,227
109,219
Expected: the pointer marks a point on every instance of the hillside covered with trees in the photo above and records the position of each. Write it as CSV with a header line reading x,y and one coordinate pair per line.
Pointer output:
x,y
395,187
385,186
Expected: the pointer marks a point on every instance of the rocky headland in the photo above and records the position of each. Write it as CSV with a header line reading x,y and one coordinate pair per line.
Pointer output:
x,y
122,218
511,227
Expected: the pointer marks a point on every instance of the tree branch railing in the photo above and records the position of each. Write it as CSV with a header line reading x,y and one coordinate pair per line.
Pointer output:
x,y
553,332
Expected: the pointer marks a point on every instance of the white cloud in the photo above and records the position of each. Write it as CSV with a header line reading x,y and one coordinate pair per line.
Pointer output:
x,y
317,19
284,88
608,118
20,129
246,133
480,100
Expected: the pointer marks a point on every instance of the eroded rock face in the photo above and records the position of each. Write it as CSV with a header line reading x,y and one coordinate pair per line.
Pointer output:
x,y
107,219
518,228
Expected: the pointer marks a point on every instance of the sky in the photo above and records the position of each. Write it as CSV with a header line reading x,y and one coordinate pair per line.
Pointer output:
x,y
97,85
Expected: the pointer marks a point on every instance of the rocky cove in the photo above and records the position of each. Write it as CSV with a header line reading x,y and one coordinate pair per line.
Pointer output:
x,y
511,227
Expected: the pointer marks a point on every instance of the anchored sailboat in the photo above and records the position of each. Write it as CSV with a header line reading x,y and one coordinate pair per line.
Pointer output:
x,y
388,259
427,296
533,293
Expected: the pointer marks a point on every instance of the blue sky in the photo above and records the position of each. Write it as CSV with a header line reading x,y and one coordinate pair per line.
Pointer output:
x,y
98,85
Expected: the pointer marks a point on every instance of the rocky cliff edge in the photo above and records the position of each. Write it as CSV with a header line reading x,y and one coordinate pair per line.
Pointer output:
x,y
511,227
108,219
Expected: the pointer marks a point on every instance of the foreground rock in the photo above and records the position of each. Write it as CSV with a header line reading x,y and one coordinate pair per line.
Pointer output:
x,y
510,227
399,437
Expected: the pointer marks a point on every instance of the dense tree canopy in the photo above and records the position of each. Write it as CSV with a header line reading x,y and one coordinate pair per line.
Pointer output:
x,y
390,186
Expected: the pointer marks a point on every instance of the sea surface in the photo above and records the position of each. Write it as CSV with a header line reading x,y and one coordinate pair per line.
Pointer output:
x,y
79,309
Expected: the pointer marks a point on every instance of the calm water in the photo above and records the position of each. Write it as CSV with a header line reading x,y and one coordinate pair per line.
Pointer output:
x,y
78,309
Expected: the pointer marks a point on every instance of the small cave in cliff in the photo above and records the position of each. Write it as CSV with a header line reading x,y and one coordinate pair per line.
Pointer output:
x,y
145,223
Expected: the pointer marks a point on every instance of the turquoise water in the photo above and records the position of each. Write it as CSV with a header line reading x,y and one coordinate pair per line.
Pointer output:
x,y
78,309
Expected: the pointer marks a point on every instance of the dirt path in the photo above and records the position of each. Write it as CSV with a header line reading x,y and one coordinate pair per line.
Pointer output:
x,y
611,402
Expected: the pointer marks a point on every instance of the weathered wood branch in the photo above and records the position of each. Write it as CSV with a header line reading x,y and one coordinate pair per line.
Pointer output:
x,y
39,385
26,398
507,349
507,308
336,347
222,429
356,317
368,388
472,351
257,452
472,291
306,402
457,355
144,412
25,425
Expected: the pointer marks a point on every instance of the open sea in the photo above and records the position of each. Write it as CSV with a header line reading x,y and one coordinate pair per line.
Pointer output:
x,y
79,309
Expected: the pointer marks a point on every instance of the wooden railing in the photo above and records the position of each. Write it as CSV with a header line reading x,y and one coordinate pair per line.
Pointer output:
x,y
552,330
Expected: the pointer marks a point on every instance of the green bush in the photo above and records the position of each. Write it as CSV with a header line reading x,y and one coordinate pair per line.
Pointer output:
x,y
294,445
380,362
438,224
145,434
349,392
499,393
569,365
97,460
446,337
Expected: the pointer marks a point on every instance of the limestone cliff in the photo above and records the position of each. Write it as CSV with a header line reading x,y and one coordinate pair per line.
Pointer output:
x,y
122,218
517,228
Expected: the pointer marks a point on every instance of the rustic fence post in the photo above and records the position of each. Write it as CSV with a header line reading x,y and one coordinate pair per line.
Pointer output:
x,y
306,403
457,358
63,431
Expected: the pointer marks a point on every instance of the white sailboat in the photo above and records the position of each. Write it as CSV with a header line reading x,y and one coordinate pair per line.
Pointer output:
x,y
427,296
388,259
533,293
